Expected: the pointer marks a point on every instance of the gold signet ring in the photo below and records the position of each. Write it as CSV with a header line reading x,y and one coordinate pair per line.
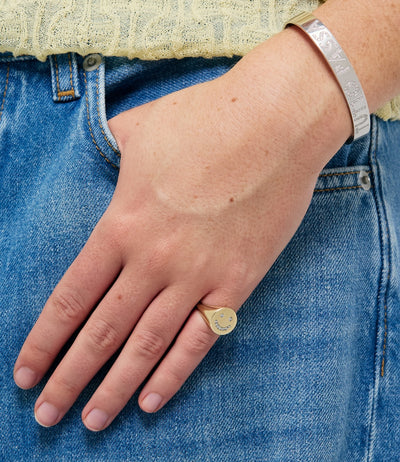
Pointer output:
x,y
221,320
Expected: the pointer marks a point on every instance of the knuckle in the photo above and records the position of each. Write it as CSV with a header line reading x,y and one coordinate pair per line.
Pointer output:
x,y
175,377
159,257
68,306
102,336
239,273
40,353
238,279
200,341
149,344
114,228
119,226
63,386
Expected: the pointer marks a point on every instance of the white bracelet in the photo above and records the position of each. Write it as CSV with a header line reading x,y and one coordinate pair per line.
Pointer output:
x,y
341,68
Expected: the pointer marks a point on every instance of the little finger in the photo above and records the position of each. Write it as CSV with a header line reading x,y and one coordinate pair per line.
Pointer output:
x,y
189,349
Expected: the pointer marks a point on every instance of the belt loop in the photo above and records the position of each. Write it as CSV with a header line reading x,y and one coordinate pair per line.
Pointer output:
x,y
64,77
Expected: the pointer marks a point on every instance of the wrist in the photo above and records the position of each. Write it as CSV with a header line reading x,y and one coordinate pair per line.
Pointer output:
x,y
322,38
368,32
295,99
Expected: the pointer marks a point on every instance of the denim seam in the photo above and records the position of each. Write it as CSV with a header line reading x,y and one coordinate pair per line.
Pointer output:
x,y
389,266
338,174
90,126
98,114
5,92
342,188
379,362
61,93
325,175
386,331
70,73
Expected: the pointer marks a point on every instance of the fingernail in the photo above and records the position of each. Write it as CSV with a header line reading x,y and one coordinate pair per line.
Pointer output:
x,y
151,402
96,420
25,377
47,415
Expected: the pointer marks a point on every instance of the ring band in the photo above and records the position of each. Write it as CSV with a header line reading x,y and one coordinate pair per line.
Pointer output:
x,y
221,319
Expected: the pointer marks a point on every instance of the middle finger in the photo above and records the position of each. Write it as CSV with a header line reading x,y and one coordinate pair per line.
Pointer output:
x,y
105,331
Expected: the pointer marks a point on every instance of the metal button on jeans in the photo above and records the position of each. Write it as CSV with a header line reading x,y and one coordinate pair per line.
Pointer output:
x,y
365,180
92,62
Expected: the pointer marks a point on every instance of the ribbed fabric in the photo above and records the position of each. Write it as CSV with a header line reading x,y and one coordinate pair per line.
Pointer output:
x,y
147,29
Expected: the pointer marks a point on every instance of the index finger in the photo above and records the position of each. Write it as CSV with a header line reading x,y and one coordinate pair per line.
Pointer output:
x,y
80,289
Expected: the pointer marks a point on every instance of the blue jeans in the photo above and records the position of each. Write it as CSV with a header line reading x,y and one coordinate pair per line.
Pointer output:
x,y
314,376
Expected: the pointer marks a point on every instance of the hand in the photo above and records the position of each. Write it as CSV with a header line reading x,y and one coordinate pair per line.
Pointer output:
x,y
209,194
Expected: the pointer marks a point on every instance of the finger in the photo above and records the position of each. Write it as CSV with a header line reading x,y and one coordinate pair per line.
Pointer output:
x,y
98,340
189,349
152,336
82,286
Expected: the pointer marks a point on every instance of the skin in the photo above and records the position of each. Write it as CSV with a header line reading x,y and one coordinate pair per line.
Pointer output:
x,y
237,177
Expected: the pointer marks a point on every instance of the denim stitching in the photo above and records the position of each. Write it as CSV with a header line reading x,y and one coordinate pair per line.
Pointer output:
x,y
384,247
385,320
5,92
90,126
324,175
385,229
70,74
60,93
57,80
384,341
341,188
98,113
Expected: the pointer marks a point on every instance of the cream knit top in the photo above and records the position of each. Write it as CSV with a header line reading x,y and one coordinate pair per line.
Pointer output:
x,y
147,29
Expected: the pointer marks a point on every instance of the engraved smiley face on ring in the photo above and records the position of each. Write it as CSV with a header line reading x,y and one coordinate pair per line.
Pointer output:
x,y
223,321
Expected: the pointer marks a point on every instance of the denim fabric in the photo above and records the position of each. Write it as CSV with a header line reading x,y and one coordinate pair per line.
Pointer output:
x,y
314,376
